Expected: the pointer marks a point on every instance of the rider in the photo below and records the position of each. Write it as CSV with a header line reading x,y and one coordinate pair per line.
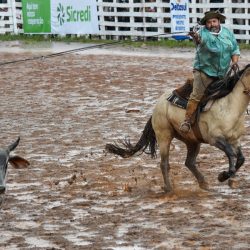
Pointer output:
x,y
216,49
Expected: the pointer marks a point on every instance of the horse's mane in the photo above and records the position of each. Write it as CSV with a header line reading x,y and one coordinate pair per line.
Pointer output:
x,y
223,87
234,79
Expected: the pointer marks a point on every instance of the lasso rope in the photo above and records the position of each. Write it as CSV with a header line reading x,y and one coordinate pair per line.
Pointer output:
x,y
60,53
79,49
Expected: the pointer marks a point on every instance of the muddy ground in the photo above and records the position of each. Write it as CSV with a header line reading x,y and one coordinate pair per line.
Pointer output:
x,y
76,196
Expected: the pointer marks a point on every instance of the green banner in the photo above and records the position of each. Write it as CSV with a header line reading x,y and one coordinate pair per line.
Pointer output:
x,y
36,16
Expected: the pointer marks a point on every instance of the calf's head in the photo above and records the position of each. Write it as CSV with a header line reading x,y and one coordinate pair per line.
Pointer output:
x,y
15,161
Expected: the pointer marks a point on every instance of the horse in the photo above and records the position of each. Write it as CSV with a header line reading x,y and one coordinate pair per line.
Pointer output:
x,y
222,126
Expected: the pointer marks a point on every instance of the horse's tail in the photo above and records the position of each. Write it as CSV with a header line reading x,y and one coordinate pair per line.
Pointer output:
x,y
147,140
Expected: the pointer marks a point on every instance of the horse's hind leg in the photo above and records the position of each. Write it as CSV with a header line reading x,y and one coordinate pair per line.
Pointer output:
x,y
164,146
192,152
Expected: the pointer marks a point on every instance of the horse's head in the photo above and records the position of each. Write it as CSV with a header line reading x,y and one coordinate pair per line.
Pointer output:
x,y
5,158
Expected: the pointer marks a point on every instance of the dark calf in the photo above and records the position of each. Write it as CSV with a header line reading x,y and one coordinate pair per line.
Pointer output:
x,y
15,161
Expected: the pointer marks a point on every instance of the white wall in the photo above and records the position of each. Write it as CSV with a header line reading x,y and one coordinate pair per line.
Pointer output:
x,y
10,17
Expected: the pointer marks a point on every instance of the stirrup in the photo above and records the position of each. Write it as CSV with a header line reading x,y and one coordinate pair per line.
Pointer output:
x,y
185,127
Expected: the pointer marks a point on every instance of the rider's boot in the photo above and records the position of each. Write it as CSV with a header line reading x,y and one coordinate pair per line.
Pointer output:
x,y
189,117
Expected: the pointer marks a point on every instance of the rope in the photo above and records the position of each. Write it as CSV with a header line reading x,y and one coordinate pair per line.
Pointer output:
x,y
76,50
60,53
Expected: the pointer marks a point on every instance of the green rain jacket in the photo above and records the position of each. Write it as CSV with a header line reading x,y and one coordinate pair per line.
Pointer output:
x,y
214,53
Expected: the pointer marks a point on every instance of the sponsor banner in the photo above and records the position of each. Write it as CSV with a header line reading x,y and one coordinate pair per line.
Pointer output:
x,y
179,16
60,16
74,17
36,16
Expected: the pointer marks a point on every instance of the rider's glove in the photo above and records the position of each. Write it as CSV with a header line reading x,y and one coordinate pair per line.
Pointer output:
x,y
195,36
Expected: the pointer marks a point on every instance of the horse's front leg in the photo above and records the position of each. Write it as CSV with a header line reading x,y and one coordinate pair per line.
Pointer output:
x,y
228,149
240,159
232,182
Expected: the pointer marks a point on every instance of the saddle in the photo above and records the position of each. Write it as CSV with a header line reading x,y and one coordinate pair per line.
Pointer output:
x,y
217,89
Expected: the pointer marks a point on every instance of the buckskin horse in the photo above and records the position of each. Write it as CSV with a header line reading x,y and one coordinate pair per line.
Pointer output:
x,y
221,126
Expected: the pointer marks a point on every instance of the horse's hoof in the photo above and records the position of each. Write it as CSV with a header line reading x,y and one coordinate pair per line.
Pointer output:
x,y
167,190
233,183
223,176
204,185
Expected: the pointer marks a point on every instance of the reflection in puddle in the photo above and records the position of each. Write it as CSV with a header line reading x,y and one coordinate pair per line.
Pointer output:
x,y
26,197
25,224
134,247
76,238
79,214
180,209
209,205
123,229
38,242
102,209
20,186
5,236
51,227
53,204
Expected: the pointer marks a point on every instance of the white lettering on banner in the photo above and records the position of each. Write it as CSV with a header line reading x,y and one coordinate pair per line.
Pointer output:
x,y
31,14
32,6
38,21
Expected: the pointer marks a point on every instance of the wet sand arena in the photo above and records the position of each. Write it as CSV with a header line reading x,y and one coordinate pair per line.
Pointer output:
x,y
76,196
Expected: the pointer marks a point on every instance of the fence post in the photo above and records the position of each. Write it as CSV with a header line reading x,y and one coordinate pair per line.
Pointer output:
x,y
13,9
